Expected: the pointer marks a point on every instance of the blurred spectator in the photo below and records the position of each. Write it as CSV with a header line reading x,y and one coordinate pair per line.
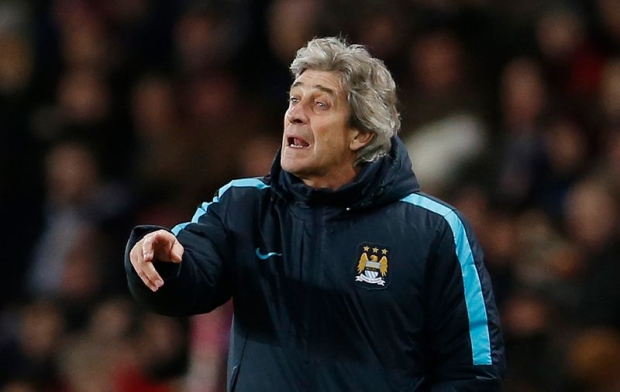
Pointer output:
x,y
87,366
523,101
528,329
565,161
163,163
16,65
141,35
256,157
30,353
71,251
209,350
592,361
219,127
84,110
206,38
384,28
124,350
592,224
440,80
160,345
446,130
591,215
85,44
291,24
572,64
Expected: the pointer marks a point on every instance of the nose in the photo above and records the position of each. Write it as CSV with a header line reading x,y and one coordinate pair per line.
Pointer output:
x,y
296,114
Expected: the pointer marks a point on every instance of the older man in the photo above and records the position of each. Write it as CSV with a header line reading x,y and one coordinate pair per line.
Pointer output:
x,y
344,276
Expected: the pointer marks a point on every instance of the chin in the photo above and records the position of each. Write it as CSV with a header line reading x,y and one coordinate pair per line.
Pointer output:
x,y
287,165
292,167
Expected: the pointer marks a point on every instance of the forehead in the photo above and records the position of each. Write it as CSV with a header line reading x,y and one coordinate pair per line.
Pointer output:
x,y
329,82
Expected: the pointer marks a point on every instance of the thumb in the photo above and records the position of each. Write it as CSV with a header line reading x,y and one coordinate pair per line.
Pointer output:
x,y
176,253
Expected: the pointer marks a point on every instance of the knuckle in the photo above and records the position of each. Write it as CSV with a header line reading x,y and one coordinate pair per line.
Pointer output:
x,y
135,261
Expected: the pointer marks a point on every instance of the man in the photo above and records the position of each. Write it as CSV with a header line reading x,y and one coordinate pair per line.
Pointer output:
x,y
344,276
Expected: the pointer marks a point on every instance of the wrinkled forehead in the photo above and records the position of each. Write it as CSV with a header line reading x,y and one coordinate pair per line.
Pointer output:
x,y
326,81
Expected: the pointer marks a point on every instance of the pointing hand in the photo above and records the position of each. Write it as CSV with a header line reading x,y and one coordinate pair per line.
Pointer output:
x,y
159,245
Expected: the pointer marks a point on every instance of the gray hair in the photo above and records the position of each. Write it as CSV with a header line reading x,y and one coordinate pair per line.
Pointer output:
x,y
368,85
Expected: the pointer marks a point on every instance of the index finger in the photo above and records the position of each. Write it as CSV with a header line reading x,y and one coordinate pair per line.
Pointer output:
x,y
145,269
150,276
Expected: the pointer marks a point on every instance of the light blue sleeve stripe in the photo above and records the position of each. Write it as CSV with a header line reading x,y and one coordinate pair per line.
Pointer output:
x,y
474,299
200,211
244,182
179,227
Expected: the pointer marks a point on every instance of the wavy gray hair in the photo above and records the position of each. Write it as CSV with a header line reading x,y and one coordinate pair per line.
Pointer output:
x,y
368,85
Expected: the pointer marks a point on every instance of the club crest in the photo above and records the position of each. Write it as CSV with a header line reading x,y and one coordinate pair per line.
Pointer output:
x,y
373,265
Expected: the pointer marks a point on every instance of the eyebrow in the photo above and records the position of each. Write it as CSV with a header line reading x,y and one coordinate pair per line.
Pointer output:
x,y
317,87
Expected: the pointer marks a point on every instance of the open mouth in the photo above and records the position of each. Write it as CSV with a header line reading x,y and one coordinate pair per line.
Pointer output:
x,y
295,142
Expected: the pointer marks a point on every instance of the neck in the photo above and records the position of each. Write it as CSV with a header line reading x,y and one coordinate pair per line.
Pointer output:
x,y
332,181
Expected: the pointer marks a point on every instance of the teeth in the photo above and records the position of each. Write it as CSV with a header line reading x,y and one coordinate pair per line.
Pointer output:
x,y
296,143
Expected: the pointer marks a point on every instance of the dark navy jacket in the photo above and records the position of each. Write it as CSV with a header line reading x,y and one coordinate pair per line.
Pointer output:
x,y
373,287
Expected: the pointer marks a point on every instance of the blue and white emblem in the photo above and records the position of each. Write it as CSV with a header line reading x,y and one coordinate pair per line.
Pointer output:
x,y
372,267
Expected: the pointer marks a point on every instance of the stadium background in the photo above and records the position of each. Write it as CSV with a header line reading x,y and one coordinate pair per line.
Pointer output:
x,y
119,112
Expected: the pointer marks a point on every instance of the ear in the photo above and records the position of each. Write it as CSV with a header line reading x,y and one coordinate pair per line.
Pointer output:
x,y
360,139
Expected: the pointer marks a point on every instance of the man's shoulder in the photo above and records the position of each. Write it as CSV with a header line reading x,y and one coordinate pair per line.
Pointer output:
x,y
429,203
237,198
243,186
437,211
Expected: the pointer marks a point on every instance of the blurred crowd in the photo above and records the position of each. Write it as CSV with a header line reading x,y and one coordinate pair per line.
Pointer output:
x,y
122,112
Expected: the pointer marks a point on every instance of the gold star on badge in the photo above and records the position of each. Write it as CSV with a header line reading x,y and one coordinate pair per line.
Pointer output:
x,y
384,251
366,248
375,250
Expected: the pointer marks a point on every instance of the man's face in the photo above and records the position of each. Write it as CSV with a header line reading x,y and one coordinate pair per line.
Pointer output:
x,y
318,145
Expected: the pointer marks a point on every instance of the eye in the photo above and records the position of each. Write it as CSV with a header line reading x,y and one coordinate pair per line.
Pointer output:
x,y
321,105
293,100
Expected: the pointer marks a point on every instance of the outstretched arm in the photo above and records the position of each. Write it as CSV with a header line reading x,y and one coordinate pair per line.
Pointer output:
x,y
180,272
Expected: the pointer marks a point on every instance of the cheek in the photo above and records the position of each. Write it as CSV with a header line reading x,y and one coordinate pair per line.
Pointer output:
x,y
331,146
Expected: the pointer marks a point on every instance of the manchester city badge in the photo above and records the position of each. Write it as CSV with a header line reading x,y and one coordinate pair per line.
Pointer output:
x,y
373,266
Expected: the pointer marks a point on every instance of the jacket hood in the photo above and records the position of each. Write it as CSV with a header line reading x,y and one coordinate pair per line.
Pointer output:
x,y
385,180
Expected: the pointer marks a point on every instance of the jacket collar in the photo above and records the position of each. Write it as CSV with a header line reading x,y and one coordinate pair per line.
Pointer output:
x,y
388,179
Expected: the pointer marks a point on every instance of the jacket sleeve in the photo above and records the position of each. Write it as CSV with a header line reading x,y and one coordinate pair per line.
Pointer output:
x,y
198,284
465,342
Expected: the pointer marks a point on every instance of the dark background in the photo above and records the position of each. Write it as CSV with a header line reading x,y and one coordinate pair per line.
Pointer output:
x,y
114,113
